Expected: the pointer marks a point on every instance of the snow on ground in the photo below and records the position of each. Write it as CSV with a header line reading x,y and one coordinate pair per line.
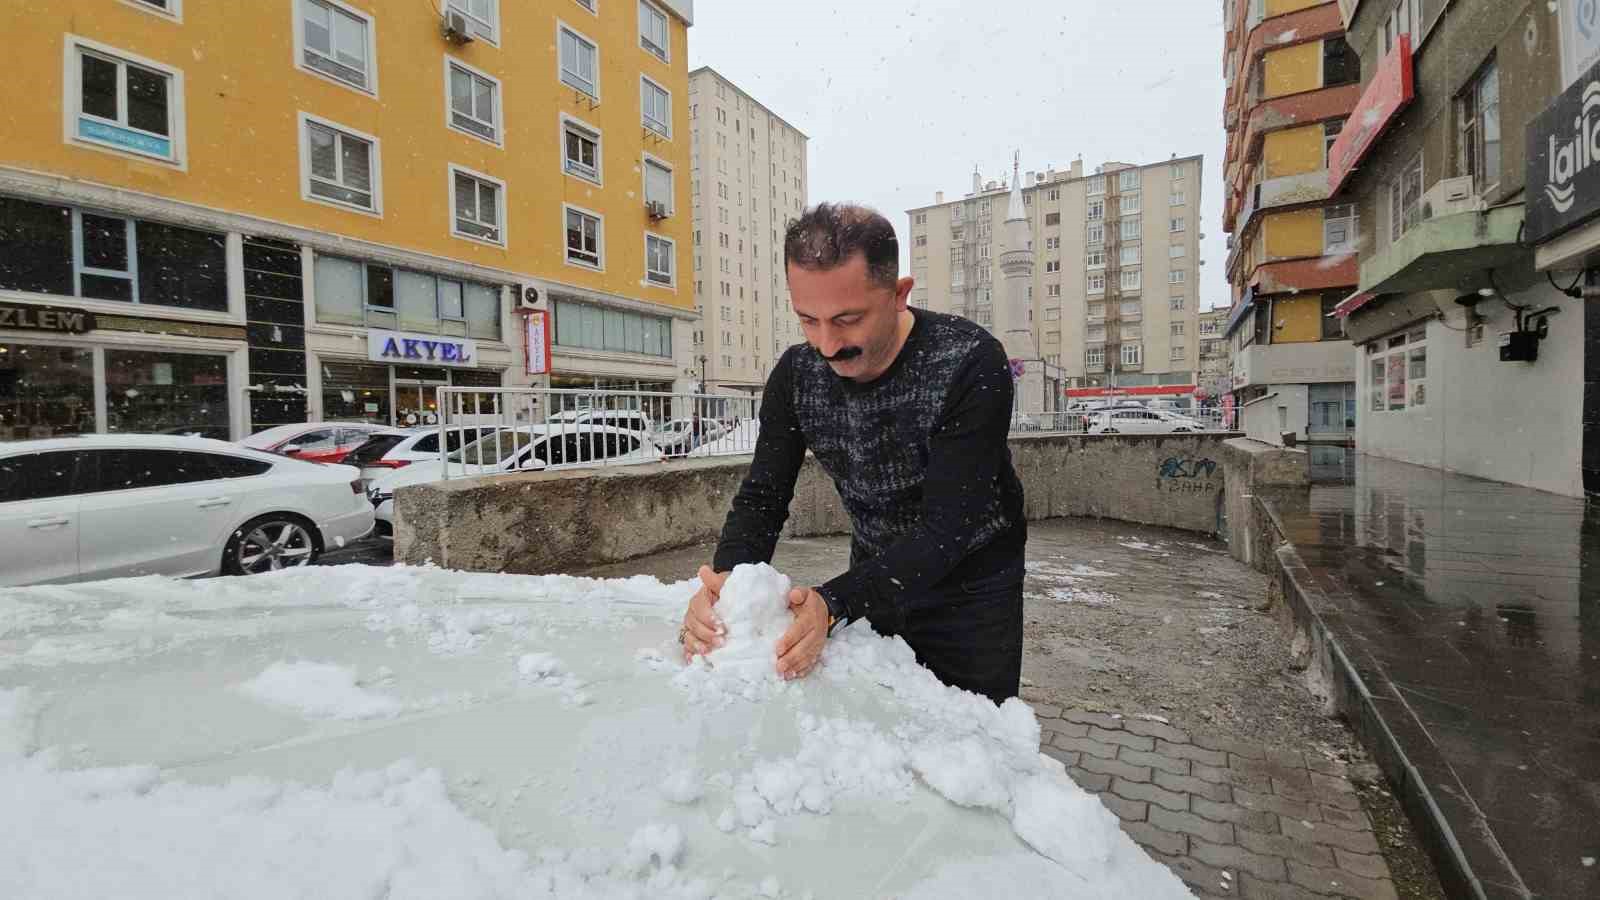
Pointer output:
x,y
414,732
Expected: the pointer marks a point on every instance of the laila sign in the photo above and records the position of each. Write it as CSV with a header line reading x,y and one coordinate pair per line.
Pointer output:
x,y
1563,173
1391,90
421,349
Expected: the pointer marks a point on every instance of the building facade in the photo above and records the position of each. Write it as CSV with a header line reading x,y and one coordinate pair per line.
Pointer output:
x,y
1292,81
229,216
748,171
1215,379
1471,359
1111,299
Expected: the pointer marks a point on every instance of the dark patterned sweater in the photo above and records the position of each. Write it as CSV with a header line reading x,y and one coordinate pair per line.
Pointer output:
x,y
919,456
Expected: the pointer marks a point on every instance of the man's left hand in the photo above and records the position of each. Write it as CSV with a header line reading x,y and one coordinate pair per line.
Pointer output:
x,y
801,646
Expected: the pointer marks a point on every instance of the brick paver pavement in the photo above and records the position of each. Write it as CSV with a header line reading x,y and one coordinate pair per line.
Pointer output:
x,y
1231,819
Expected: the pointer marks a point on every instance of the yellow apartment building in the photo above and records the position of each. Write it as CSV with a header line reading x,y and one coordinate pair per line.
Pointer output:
x,y
220,215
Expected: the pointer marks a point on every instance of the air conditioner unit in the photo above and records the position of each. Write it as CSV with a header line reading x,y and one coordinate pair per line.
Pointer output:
x,y
529,298
656,209
1450,196
456,30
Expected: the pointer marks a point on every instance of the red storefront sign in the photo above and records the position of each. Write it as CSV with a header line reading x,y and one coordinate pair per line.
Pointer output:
x,y
1391,90
1149,390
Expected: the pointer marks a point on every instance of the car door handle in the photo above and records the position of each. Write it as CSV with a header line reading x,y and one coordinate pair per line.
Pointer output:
x,y
212,502
49,522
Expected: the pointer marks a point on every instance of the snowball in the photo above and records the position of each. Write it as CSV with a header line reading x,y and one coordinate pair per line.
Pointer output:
x,y
318,691
682,787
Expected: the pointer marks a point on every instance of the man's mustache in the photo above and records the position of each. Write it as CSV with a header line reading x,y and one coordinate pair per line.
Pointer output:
x,y
844,354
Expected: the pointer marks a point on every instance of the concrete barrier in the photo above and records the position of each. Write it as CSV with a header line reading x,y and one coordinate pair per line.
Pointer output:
x,y
560,521
1251,468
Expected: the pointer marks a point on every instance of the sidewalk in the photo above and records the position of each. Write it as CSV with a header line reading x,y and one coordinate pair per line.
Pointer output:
x,y
1470,610
1167,686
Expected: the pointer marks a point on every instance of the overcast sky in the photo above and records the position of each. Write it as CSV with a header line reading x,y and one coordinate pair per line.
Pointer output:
x,y
901,98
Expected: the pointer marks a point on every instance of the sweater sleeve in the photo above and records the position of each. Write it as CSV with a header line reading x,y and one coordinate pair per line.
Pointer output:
x,y
962,499
750,533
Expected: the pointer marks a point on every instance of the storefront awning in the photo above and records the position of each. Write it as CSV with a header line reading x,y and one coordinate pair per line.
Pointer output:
x,y
1239,312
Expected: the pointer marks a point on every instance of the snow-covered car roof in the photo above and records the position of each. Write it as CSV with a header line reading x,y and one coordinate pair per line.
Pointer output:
x,y
277,434
151,441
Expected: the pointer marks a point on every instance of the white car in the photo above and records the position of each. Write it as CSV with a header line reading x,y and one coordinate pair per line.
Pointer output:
x,y
1139,421
630,419
678,437
526,448
117,505
314,441
396,448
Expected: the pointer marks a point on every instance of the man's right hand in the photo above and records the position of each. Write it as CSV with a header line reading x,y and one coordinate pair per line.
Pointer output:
x,y
703,631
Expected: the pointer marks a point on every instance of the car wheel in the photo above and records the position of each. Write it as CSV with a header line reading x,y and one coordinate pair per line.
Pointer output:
x,y
1182,431
271,542
1109,431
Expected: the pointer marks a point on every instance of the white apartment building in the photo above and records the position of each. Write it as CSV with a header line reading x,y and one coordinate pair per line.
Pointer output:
x,y
748,174
1114,287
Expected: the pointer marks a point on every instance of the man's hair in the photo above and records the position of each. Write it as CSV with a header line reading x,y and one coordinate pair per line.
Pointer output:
x,y
829,234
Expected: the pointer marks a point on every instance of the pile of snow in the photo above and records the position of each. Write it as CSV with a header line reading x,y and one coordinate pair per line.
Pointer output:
x,y
465,736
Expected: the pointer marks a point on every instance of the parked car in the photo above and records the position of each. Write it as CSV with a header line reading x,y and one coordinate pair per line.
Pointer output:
x,y
526,448
215,432
630,419
679,436
117,505
325,442
1179,421
396,448
1139,421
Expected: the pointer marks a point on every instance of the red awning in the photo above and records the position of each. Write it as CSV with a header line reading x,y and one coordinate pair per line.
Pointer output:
x,y
1352,303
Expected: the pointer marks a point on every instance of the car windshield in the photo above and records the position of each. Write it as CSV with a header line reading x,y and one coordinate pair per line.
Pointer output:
x,y
493,448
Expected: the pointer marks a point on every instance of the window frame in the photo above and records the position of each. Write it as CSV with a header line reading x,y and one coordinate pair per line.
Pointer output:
x,y
1178,276
492,38
1178,198
1352,228
1470,131
672,277
569,120
644,119
172,14
599,238
499,123
74,47
561,69
375,164
665,54
500,207
650,159
300,48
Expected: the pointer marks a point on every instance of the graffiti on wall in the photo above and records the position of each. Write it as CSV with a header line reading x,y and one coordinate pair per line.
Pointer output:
x,y
1186,475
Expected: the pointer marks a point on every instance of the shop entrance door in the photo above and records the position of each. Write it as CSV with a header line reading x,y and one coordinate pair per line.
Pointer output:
x,y
416,403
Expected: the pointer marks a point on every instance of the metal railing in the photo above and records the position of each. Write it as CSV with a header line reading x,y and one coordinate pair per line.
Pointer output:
x,y
1090,421
536,429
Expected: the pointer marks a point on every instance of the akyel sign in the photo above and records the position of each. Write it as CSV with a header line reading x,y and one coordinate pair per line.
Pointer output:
x,y
421,349
1563,169
1392,89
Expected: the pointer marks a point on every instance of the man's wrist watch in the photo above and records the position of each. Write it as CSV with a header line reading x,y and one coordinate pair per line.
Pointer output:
x,y
836,616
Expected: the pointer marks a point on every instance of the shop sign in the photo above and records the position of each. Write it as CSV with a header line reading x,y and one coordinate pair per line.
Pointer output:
x,y
1580,39
1563,169
60,319
432,349
1391,90
538,341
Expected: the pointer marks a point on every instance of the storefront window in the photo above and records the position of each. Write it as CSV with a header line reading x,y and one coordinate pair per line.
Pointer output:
x,y
45,391
353,293
587,326
355,393
154,392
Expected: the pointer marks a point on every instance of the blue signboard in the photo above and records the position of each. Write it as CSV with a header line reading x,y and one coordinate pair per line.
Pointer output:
x,y
127,139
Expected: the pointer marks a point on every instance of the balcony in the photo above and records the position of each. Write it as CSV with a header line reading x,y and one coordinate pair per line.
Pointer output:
x,y
1289,111
1447,253
1322,362
1287,190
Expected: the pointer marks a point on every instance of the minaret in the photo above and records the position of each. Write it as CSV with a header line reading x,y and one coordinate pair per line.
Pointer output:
x,y
1012,323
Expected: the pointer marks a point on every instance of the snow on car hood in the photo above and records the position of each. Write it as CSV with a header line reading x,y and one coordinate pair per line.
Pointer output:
x,y
426,470
416,732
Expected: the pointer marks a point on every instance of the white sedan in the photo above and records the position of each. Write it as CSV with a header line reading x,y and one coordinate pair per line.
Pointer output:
x,y
526,448
113,506
1140,421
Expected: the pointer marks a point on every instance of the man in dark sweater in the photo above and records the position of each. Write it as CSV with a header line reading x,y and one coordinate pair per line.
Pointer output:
x,y
908,412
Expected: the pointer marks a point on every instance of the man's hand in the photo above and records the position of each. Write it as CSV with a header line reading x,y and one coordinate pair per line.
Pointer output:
x,y
801,646
703,630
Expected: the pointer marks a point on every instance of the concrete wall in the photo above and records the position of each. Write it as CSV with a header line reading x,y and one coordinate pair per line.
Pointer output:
x,y
1250,468
561,521
1519,423
1285,408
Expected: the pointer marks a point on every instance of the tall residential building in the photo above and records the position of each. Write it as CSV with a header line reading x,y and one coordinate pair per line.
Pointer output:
x,y
748,168
1111,300
1292,81
282,210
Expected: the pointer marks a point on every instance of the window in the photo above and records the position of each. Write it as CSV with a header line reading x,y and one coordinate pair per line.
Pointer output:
x,y
658,187
579,62
583,238
580,150
1052,314
1339,227
1177,225
1094,357
1130,256
1095,184
110,258
1095,284
170,8
1052,219
654,35
1340,65
591,327
1130,279
922,240
483,17
1177,276
1132,354
1053,194
1177,172
1179,351
1095,259
1177,303
1376,375
1177,329
1405,18
474,101
1478,118
1052,290
1330,136
1130,228
1097,210
1096,234
477,202
341,166
124,104
1128,180
1176,251
1096,310
1095,333
1052,265
1405,199
1332,326
656,107
336,41
154,392
658,254
1130,203
1178,199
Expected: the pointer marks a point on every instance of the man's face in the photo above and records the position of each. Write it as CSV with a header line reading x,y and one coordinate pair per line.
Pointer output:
x,y
849,319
